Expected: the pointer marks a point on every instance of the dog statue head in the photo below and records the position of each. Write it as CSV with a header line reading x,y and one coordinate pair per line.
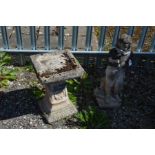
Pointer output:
x,y
124,42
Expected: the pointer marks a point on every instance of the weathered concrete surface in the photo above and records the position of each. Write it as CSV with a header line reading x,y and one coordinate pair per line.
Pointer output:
x,y
56,66
56,104
59,114
53,69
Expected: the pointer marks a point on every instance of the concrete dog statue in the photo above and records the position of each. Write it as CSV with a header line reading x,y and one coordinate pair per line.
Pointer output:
x,y
110,90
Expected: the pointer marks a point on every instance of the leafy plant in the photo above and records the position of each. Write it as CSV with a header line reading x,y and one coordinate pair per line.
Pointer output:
x,y
6,73
38,92
5,59
91,118
29,67
37,89
73,87
72,97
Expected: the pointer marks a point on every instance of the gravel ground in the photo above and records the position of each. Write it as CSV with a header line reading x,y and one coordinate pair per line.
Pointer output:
x,y
19,108
138,106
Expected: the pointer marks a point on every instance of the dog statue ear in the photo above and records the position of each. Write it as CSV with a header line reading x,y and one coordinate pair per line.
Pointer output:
x,y
126,38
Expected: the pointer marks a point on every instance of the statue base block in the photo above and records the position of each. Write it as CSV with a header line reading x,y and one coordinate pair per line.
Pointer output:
x,y
104,101
53,69
61,113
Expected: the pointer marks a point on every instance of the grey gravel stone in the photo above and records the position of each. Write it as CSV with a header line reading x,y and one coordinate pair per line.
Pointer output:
x,y
19,108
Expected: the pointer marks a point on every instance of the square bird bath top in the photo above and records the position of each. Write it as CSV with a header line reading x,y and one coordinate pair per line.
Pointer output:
x,y
56,66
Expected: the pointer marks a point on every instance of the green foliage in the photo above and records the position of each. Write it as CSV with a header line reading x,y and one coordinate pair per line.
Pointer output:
x,y
4,83
76,87
6,74
38,90
91,118
38,93
5,59
72,97
73,87
29,67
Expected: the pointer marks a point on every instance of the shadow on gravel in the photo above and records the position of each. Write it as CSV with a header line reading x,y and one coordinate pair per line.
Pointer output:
x,y
18,103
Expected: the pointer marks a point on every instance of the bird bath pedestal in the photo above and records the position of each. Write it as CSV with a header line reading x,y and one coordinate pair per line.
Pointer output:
x,y
53,69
